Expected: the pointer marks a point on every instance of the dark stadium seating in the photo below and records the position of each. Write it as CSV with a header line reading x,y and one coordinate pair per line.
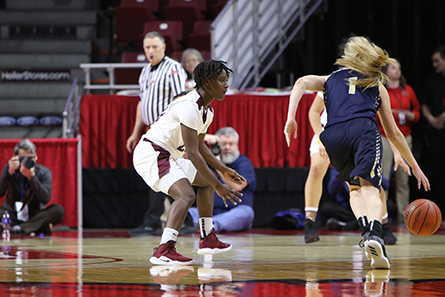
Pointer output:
x,y
171,30
200,37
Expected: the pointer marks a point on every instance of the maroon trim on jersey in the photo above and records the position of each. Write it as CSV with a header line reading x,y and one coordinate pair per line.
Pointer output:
x,y
200,103
163,158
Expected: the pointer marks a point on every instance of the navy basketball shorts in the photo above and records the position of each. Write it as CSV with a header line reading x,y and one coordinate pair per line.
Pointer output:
x,y
355,150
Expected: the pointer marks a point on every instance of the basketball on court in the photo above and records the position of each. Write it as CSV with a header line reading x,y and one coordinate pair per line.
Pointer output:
x,y
423,217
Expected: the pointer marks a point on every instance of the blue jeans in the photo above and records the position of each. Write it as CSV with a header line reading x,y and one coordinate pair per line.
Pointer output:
x,y
234,220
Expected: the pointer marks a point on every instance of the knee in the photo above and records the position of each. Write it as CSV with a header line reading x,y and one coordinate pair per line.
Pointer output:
x,y
317,170
188,198
58,209
247,215
248,219
250,214
57,212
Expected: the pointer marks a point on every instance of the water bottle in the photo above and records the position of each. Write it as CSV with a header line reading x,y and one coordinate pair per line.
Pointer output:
x,y
6,224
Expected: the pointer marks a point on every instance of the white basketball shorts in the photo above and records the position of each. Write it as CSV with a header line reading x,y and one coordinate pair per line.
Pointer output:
x,y
315,145
157,167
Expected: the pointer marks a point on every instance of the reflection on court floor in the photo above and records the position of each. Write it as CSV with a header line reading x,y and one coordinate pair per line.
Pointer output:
x,y
261,263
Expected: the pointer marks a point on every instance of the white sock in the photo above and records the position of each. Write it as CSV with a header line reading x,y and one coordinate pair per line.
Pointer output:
x,y
206,226
169,234
315,209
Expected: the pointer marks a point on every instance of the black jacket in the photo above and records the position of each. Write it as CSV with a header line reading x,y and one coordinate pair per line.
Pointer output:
x,y
37,193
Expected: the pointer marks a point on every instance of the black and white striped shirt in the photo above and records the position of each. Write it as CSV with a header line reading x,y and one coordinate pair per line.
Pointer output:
x,y
159,85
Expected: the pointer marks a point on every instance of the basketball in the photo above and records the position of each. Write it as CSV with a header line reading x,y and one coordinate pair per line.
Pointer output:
x,y
423,217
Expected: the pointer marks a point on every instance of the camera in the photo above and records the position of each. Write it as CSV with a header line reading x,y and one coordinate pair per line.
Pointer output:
x,y
215,149
29,163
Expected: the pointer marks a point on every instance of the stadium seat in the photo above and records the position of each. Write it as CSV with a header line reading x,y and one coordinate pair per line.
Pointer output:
x,y
206,55
217,7
130,76
200,38
129,25
133,57
187,11
172,31
130,18
177,55
150,6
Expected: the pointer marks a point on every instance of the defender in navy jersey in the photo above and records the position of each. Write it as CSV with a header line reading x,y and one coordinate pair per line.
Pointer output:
x,y
355,108
314,183
158,159
351,137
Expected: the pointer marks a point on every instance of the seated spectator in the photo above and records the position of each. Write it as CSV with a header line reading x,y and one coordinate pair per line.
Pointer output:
x,y
239,217
190,59
27,186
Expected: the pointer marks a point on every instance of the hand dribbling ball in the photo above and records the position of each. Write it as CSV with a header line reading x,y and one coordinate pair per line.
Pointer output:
x,y
423,217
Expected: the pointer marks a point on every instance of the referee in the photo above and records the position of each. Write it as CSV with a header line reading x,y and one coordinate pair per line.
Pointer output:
x,y
160,82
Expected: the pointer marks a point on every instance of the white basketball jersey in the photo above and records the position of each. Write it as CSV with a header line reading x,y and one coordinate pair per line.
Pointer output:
x,y
187,110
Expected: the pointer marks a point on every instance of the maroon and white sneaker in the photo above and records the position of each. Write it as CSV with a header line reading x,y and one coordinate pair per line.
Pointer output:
x,y
210,245
166,254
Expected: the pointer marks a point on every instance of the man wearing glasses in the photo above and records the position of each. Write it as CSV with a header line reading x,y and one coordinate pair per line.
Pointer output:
x,y
27,186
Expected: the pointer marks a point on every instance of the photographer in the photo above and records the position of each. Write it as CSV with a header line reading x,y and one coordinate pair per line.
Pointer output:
x,y
239,217
27,186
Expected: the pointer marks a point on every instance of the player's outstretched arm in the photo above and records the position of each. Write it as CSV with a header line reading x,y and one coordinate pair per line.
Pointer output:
x,y
398,140
310,83
399,161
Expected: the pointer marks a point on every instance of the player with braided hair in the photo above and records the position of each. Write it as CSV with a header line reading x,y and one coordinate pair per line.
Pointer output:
x,y
158,159
212,70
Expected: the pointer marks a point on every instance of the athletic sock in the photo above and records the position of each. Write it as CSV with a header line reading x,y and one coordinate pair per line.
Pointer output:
x,y
205,226
169,234
363,224
311,213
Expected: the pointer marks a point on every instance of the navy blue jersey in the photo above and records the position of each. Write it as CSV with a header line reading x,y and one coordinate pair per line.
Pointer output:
x,y
345,101
351,137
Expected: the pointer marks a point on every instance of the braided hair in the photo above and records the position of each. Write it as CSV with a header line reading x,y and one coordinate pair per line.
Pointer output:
x,y
209,70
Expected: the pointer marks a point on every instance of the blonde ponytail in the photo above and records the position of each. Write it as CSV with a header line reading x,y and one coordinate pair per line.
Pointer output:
x,y
365,57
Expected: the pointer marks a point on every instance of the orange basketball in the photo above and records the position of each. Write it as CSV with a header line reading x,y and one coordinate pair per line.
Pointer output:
x,y
423,217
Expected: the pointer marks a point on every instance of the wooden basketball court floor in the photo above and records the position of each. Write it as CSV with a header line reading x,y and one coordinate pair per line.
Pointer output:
x,y
262,262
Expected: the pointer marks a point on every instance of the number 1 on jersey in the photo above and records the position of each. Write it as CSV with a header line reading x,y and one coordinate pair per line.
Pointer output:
x,y
352,83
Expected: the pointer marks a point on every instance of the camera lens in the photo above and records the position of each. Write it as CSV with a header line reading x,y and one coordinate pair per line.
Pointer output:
x,y
29,163
215,149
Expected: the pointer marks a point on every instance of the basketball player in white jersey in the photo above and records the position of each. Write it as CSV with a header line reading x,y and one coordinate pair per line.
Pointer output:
x,y
158,159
